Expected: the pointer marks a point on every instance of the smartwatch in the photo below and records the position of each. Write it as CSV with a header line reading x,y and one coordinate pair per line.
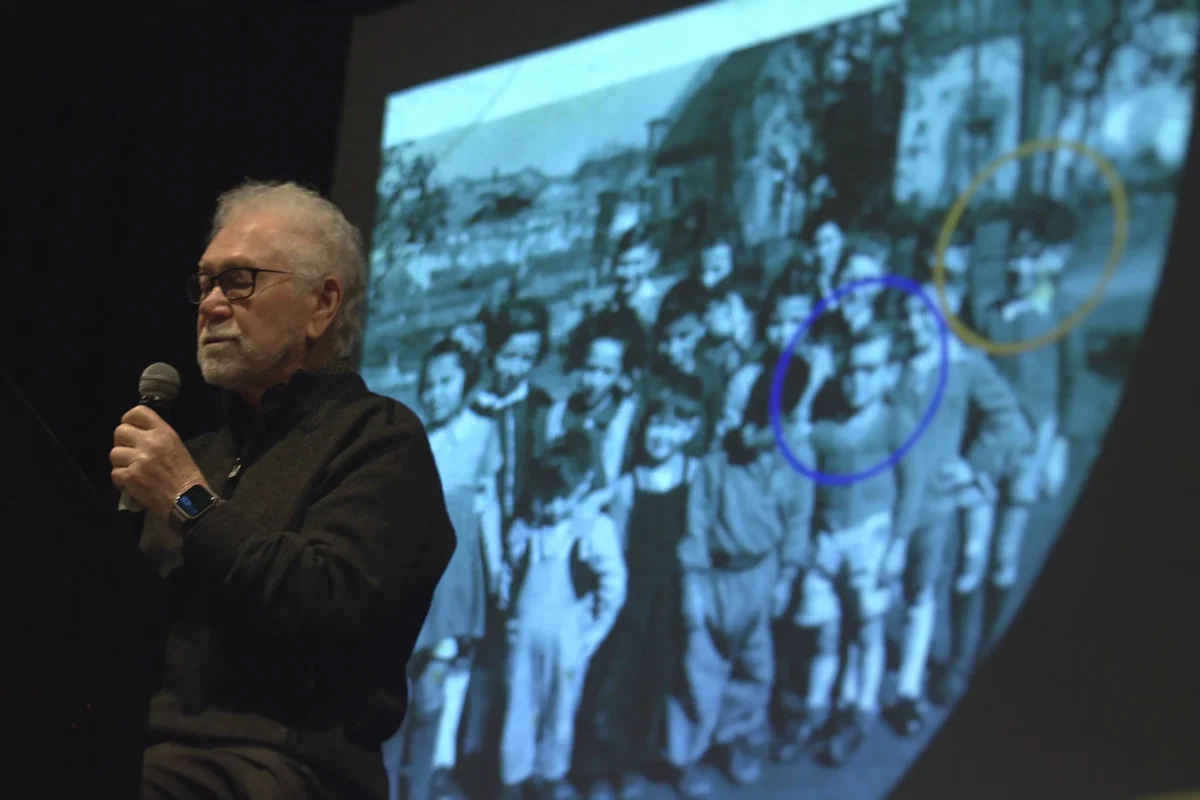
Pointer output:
x,y
190,506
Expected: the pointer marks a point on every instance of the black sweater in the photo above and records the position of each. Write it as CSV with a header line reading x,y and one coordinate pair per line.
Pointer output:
x,y
294,606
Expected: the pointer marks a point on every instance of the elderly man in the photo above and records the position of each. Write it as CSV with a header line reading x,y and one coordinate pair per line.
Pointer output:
x,y
301,543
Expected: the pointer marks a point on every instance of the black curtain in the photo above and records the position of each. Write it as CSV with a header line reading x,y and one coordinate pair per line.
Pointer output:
x,y
121,136
120,152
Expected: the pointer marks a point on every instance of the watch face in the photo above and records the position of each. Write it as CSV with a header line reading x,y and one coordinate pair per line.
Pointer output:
x,y
195,500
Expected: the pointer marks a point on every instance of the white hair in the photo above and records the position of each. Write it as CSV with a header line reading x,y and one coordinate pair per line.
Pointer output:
x,y
326,244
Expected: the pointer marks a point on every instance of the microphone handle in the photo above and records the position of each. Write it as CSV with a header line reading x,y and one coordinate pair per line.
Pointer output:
x,y
158,405
162,408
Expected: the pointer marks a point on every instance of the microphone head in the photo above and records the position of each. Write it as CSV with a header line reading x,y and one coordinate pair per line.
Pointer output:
x,y
160,381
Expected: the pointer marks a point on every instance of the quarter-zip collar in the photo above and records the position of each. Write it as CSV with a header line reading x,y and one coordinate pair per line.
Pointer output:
x,y
306,391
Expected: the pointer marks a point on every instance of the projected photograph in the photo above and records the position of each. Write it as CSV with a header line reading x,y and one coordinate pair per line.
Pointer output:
x,y
742,497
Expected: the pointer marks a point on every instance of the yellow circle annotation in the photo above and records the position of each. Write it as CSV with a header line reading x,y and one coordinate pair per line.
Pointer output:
x,y
1120,208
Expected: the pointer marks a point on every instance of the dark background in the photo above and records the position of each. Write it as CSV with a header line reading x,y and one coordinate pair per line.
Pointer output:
x,y
124,125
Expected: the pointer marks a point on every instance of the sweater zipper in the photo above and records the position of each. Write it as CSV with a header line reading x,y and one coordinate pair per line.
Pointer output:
x,y
239,463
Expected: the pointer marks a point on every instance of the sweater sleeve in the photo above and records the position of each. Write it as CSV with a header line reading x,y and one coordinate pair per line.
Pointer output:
x,y
796,510
376,526
693,545
911,479
1003,430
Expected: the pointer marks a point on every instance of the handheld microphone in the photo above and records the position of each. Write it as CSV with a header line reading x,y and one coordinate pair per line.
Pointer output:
x,y
158,387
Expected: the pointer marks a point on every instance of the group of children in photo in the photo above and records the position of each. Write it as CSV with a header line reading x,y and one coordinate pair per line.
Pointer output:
x,y
643,583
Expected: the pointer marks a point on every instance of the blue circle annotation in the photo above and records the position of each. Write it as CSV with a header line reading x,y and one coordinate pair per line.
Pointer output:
x,y
781,366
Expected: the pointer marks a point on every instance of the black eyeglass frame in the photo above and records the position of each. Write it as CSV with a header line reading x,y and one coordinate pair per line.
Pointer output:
x,y
196,295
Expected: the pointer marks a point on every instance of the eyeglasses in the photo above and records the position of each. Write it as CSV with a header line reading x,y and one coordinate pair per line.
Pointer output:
x,y
237,283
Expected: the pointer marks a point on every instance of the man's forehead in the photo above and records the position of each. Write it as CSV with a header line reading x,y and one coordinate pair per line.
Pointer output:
x,y
248,240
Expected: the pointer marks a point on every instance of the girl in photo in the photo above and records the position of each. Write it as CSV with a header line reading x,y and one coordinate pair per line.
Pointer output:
x,y
517,341
466,449
623,723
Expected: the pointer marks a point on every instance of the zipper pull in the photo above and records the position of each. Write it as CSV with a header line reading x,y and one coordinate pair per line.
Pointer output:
x,y
237,467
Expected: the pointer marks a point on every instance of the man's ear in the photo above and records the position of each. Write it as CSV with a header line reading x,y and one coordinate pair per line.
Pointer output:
x,y
329,298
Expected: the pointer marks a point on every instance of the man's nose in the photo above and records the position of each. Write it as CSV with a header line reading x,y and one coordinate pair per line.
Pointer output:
x,y
215,304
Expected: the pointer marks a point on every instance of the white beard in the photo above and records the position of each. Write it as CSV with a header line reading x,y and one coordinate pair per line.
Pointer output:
x,y
238,364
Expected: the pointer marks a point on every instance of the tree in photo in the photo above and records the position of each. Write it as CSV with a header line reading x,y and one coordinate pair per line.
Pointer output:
x,y
412,206
411,211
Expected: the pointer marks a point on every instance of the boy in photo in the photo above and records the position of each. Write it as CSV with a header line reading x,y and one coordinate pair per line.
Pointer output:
x,y
790,301
728,342
962,476
1044,380
860,535
557,617
603,353
635,261
677,336
746,541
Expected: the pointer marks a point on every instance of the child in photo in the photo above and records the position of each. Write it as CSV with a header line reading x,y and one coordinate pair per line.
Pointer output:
x,y
568,583
623,720
715,257
746,540
860,536
962,476
865,258
635,261
956,260
517,341
790,302
466,449
728,342
1044,380
676,339
828,240
603,353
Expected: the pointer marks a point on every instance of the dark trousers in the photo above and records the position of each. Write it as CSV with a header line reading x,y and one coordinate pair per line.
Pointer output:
x,y
174,771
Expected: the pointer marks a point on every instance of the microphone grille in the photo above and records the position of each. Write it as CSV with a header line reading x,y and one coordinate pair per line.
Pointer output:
x,y
159,380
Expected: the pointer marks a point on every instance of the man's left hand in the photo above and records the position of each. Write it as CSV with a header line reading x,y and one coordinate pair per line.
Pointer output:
x,y
150,462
